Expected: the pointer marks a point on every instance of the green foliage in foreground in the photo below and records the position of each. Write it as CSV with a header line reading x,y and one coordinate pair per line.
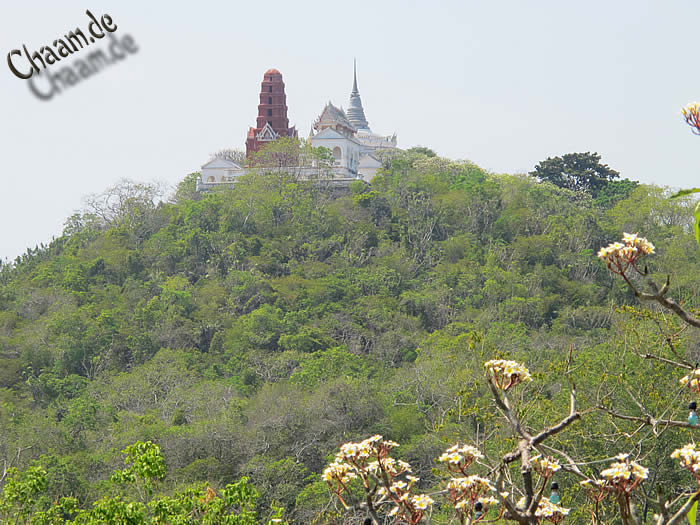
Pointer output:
x,y
23,498
696,213
252,331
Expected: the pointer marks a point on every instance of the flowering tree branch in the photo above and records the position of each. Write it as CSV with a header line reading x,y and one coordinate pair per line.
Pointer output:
x,y
529,441
620,257
691,113
689,457
501,377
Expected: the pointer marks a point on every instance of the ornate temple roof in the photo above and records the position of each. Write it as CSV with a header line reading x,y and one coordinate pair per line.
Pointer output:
x,y
333,117
272,72
356,114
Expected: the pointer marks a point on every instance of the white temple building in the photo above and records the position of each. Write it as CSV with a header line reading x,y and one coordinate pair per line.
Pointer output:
x,y
219,170
332,130
346,134
351,158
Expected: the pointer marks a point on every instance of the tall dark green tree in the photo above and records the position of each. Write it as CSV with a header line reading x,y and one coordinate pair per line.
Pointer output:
x,y
580,172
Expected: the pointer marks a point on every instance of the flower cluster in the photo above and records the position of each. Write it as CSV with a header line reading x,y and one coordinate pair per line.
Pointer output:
x,y
620,255
595,489
459,458
545,467
691,113
464,492
550,511
624,475
422,501
469,488
692,380
341,472
464,506
487,502
408,507
370,447
360,460
547,510
507,374
689,457
379,473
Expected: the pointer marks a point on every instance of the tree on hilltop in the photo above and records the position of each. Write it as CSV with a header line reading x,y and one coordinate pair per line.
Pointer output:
x,y
580,172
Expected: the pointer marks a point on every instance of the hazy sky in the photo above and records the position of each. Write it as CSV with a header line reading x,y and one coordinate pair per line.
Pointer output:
x,y
502,83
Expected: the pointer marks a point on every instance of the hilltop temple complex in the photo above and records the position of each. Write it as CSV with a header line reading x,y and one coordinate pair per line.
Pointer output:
x,y
346,134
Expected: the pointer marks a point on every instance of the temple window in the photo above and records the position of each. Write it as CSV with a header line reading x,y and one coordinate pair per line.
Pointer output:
x,y
269,100
269,112
337,154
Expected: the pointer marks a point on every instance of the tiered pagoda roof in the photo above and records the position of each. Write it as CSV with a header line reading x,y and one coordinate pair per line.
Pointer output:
x,y
356,114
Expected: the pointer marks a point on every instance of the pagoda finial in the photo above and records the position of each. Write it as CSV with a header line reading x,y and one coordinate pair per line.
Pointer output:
x,y
354,76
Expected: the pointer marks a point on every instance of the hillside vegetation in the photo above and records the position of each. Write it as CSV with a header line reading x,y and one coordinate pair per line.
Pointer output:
x,y
250,332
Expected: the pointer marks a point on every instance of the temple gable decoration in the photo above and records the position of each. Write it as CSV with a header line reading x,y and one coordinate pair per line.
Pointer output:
x,y
267,134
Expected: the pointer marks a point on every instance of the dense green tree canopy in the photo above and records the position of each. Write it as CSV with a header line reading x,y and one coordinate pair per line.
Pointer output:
x,y
582,172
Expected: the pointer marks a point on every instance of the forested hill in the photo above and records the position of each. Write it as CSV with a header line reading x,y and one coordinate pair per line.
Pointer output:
x,y
250,332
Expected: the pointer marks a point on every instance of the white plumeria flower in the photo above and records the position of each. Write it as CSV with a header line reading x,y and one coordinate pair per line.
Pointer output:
x,y
422,501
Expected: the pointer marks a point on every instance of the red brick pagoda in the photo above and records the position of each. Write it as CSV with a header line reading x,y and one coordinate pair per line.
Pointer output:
x,y
272,122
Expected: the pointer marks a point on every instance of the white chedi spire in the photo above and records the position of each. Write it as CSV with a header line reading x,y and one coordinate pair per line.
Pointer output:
x,y
355,112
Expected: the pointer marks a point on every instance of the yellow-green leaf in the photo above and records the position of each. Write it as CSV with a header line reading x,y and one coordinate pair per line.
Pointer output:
x,y
683,193
692,513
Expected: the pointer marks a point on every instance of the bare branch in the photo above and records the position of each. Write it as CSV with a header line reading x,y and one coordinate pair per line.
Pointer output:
x,y
659,296
683,511
648,420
